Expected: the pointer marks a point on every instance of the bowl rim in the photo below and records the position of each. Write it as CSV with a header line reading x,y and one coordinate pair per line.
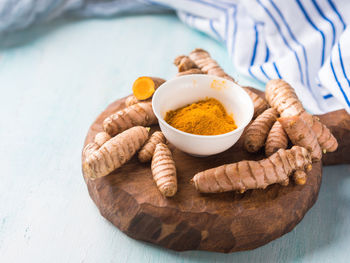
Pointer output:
x,y
192,76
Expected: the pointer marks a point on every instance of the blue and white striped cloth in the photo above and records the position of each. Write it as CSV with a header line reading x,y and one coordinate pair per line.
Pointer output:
x,y
301,41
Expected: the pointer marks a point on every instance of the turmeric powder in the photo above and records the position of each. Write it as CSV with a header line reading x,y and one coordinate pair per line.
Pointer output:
x,y
205,117
209,66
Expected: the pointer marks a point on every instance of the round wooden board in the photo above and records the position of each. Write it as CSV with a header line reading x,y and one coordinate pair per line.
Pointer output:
x,y
224,222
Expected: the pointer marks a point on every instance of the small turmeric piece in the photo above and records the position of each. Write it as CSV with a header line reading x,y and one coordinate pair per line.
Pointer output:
x,y
205,117
99,140
131,100
260,105
89,149
114,152
139,114
178,59
325,138
142,84
283,98
300,177
147,151
184,63
301,134
164,170
190,71
144,87
257,132
246,175
277,139
209,66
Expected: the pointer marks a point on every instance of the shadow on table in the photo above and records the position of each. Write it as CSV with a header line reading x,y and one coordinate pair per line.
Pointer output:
x,y
35,32
26,36
316,231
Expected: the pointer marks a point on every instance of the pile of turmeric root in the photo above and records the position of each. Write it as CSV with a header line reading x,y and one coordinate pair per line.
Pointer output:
x,y
125,133
273,128
279,121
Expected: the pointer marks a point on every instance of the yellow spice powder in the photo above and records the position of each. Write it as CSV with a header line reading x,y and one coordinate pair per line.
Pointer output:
x,y
205,117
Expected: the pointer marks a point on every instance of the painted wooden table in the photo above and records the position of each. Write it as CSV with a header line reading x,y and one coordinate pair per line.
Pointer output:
x,y
54,80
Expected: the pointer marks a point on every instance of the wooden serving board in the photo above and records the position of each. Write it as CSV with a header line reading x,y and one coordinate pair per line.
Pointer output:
x,y
224,222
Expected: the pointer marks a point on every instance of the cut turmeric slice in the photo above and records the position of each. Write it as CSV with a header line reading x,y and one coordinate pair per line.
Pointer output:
x,y
143,88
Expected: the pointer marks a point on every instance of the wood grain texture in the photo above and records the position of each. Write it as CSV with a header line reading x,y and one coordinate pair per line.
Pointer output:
x,y
224,222
339,123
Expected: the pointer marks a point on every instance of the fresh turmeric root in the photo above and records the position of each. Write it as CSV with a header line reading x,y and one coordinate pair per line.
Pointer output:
x,y
139,114
164,170
325,138
300,177
301,134
147,151
190,71
184,63
178,59
277,139
246,175
100,139
114,152
282,97
260,105
257,132
186,66
131,100
89,149
209,66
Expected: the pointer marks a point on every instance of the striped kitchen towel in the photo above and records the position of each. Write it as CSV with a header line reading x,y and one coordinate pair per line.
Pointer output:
x,y
301,41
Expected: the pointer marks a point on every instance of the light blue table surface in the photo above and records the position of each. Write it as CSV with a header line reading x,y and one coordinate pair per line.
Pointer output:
x,y
54,80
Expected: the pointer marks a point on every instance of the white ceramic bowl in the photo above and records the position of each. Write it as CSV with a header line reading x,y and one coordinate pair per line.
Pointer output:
x,y
188,89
